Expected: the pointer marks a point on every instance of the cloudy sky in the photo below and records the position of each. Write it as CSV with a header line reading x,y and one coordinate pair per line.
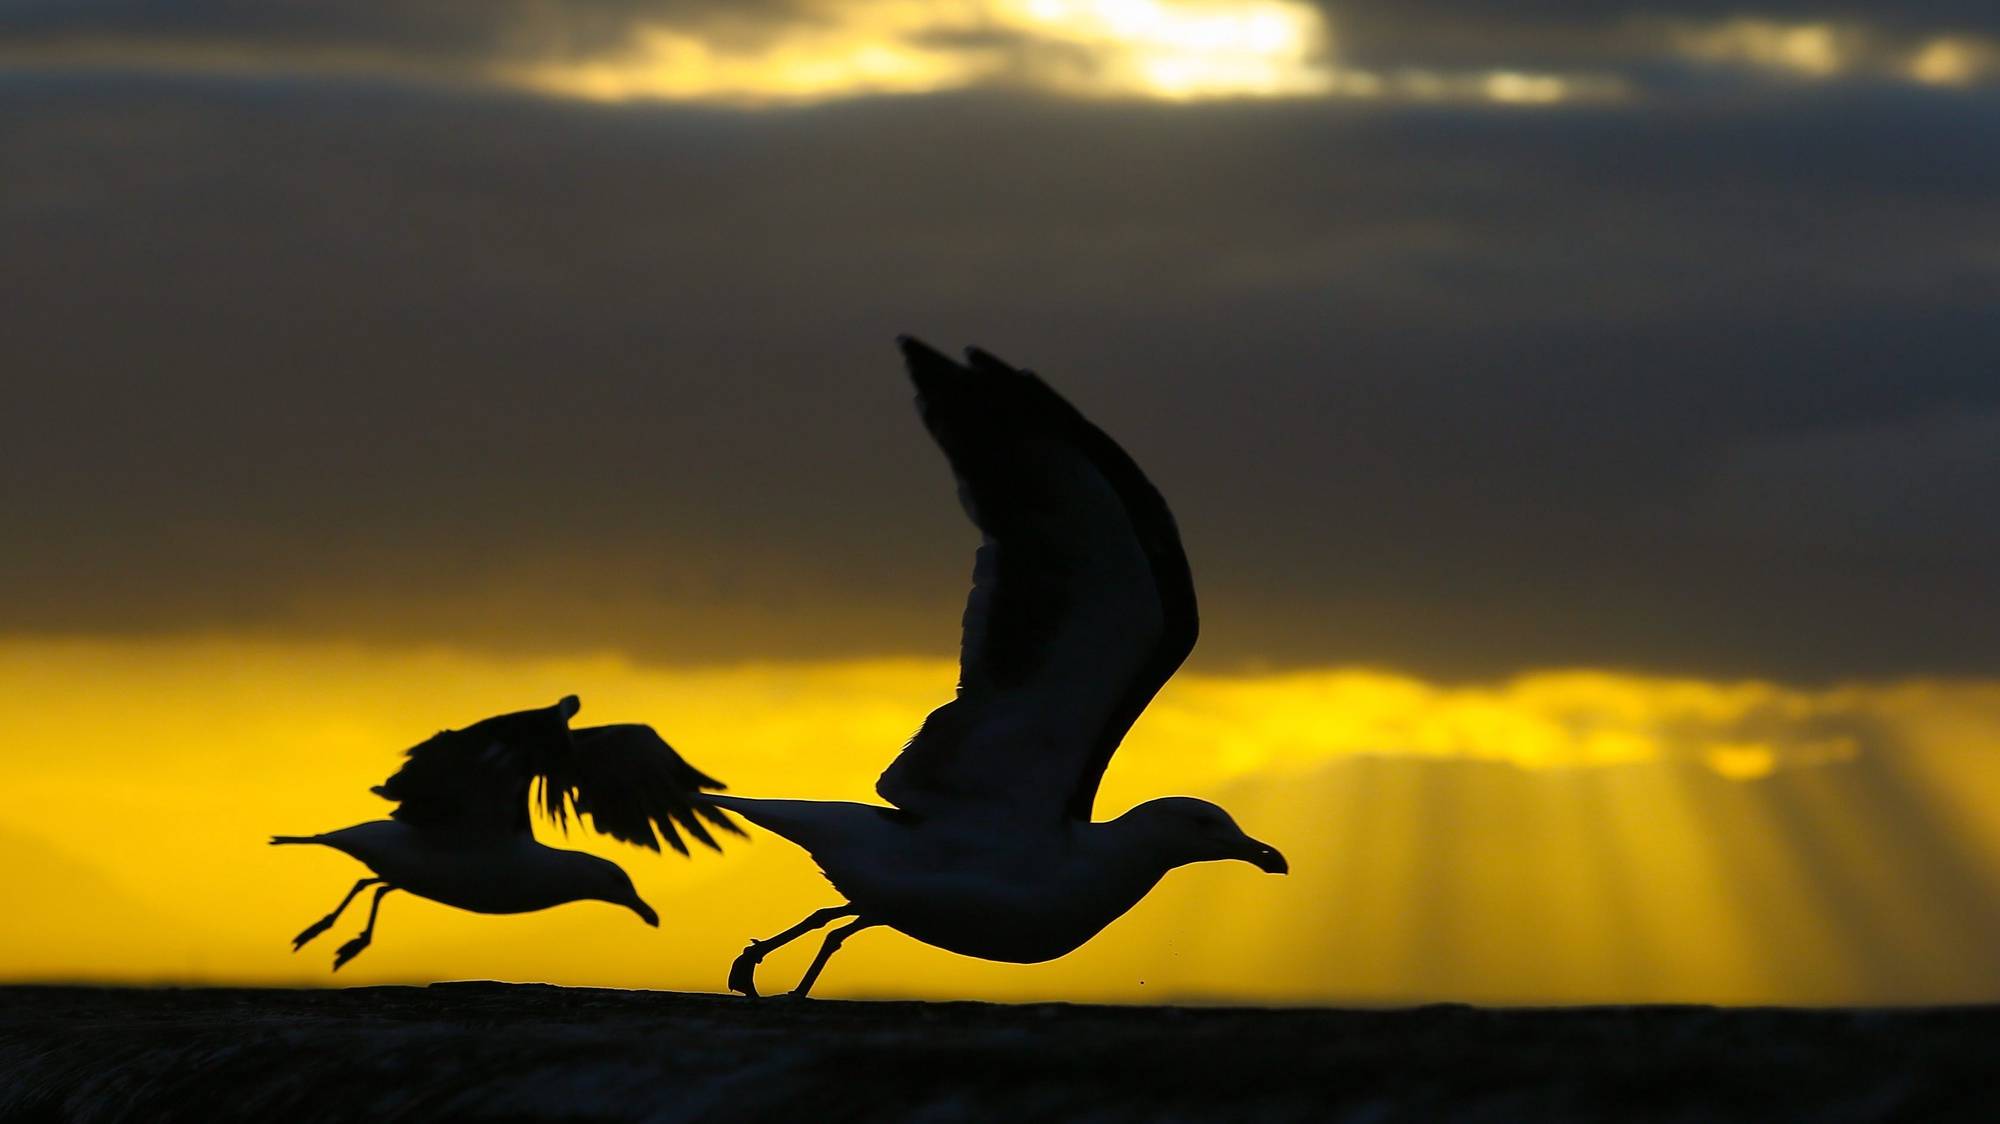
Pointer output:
x,y
1624,334
1645,340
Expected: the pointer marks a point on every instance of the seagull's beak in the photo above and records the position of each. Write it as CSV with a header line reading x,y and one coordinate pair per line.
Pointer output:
x,y
645,912
1266,858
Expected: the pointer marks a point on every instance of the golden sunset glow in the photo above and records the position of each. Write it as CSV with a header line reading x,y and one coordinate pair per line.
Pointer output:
x,y
1815,50
1115,48
1573,835
1173,51
1147,49
1821,50
1152,50
1956,60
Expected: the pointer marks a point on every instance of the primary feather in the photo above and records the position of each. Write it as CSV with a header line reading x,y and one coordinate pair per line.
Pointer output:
x,y
480,780
1081,606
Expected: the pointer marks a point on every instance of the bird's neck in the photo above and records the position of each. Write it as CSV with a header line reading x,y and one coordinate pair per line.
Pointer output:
x,y
554,874
1126,846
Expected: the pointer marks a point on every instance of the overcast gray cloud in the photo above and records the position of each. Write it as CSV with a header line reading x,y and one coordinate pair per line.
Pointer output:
x,y
1687,383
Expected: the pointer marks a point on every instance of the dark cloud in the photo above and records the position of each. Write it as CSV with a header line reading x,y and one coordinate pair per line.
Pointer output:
x,y
1939,14
419,26
1699,387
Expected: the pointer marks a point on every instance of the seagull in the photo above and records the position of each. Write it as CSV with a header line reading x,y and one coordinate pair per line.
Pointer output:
x,y
1081,608
461,832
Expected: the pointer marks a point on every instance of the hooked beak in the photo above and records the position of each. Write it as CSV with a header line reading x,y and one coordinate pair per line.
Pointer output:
x,y
1266,858
645,912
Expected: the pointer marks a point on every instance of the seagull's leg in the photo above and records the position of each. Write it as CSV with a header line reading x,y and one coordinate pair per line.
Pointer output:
x,y
325,923
743,973
826,950
353,948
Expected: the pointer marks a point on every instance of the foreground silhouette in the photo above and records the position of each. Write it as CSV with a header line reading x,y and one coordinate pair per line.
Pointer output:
x,y
462,832
1081,608
527,1053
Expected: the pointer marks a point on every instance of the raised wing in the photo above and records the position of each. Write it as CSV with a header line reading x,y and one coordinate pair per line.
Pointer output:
x,y
1081,605
629,781
480,780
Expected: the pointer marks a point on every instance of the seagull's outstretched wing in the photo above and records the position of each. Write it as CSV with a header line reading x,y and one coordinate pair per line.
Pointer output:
x,y
1081,603
625,778
628,780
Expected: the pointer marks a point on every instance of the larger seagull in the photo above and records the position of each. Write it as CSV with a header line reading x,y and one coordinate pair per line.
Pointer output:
x,y
1081,608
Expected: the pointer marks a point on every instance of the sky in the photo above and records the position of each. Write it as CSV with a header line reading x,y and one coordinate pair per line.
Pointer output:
x,y
1580,417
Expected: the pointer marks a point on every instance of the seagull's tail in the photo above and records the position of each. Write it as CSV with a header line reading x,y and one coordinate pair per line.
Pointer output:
x,y
816,825
280,839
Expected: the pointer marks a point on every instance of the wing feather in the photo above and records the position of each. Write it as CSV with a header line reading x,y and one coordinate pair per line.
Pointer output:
x,y
483,779
1081,606
632,784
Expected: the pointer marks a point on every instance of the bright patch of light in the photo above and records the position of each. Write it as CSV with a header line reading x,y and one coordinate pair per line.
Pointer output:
x,y
665,64
1497,87
1742,762
1813,50
1556,720
1536,89
1955,61
1827,51
1179,50
1164,50
1104,48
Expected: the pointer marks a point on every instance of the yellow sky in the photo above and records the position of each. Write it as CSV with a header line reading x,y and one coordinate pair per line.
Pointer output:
x,y
1567,836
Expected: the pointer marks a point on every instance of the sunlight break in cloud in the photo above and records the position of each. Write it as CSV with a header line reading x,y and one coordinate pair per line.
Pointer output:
x,y
1498,87
1545,720
1170,50
1955,60
1158,50
1114,48
1820,51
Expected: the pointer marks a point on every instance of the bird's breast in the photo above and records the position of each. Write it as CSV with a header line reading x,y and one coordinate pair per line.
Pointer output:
x,y
504,875
1019,905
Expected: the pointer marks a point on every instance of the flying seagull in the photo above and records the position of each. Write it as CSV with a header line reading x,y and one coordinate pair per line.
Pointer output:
x,y
461,832
1081,608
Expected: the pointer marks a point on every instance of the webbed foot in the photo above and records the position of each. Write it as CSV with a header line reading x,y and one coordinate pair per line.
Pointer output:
x,y
743,972
351,949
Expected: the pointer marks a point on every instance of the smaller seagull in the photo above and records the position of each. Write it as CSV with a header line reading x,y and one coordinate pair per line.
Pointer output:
x,y
462,832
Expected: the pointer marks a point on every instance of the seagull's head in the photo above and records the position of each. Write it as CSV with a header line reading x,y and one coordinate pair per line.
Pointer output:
x,y
1185,830
605,881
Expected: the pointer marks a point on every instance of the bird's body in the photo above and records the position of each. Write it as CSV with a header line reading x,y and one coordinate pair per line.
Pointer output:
x,y
1017,897
508,874
1081,608
463,833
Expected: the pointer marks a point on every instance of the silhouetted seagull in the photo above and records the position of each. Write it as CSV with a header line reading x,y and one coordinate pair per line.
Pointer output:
x,y
461,833
1081,608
